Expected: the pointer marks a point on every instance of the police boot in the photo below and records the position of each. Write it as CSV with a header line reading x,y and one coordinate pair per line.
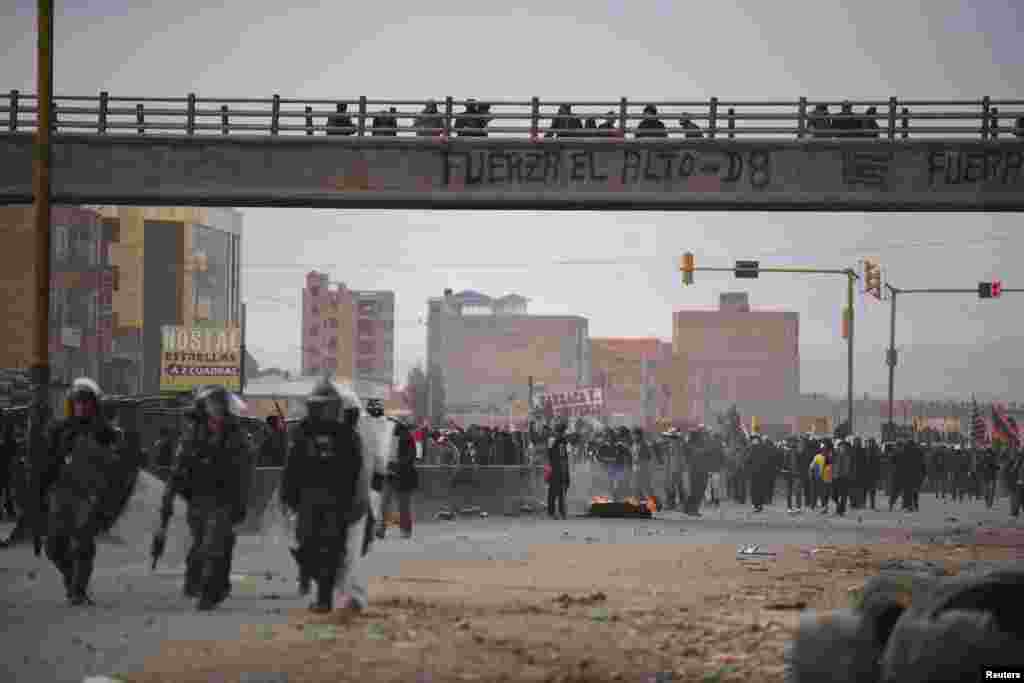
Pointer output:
x,y
324,602
305,582
82,573
226,568
212,585
193,576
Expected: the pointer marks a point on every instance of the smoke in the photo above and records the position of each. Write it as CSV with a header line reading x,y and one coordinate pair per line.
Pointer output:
x,y
588,479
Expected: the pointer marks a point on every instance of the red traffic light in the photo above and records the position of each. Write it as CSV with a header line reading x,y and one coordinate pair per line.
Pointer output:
x,y
997,288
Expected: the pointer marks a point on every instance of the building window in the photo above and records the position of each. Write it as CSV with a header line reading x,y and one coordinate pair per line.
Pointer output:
x,y
368,309
112,229
313,331
367,348
314,291
117,277
316,310
333,343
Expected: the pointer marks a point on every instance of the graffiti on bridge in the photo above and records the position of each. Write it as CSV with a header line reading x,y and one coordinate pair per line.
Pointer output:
x,y
625,167
958,167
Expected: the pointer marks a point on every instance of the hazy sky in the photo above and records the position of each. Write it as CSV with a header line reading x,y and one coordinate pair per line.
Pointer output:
x,y
937,49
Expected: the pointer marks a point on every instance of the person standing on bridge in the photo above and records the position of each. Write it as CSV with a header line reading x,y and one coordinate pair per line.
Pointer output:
x,y
818,122
558,482
429,123
693,131
651,126
565,124
385,124
340,123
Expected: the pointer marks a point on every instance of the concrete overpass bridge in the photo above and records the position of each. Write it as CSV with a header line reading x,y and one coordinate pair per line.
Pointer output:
x,y
901,155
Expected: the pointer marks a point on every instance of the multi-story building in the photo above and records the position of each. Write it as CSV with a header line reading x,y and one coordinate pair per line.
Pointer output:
x,y
734,355
328,328
172,266
636,376
347,333
487,350
375,329
81,292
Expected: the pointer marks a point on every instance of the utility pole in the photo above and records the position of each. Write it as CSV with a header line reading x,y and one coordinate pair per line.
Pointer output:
x,y
40,363
242,354
892,358
751,269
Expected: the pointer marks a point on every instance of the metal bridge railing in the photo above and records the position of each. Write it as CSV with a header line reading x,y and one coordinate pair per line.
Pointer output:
x,y
890,119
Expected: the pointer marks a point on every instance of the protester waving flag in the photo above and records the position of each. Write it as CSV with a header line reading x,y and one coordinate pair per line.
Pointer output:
x,y
979,433
1004,428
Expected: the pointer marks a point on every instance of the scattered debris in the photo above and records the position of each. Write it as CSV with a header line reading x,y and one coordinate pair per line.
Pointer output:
x,y
786,605
755,552
565,600
375,632
591,539
599,614
270,596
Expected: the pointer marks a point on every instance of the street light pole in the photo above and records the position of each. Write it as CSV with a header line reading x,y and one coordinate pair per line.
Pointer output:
x,y
891,360
851,277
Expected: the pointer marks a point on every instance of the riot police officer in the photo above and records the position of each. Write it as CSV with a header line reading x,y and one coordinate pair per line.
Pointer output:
x,y
321,483
79,484
212,472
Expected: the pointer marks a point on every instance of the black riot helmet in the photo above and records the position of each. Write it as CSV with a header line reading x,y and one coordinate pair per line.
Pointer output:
x,y
84,391
218,403
374,407
332,403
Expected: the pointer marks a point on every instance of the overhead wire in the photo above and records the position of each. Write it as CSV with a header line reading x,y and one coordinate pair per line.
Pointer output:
x,y
620,262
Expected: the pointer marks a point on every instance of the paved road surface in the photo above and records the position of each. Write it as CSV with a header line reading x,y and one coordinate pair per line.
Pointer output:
x,y
44,640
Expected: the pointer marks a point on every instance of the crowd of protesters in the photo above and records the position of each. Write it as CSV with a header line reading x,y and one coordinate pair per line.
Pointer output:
x,y
685,470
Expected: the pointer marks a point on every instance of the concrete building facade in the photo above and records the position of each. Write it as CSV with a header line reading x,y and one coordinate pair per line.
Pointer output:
x,y
487,349
347,333
375,330
636,374
734,355
81,292
172,266
119,274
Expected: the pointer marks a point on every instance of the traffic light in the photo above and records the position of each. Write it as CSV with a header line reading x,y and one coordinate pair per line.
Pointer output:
x,y
873,278
747,269
997,288
687,268
985,290
846,323
755,424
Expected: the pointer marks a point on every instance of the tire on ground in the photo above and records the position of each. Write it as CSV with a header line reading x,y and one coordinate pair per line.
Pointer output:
x,y
968,622
833,647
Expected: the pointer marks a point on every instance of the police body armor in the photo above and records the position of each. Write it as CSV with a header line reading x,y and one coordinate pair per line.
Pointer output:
x,y
321,485
213,479
77,490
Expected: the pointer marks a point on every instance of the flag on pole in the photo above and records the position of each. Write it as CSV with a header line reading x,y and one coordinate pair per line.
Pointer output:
x,y
1001,427
978,431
